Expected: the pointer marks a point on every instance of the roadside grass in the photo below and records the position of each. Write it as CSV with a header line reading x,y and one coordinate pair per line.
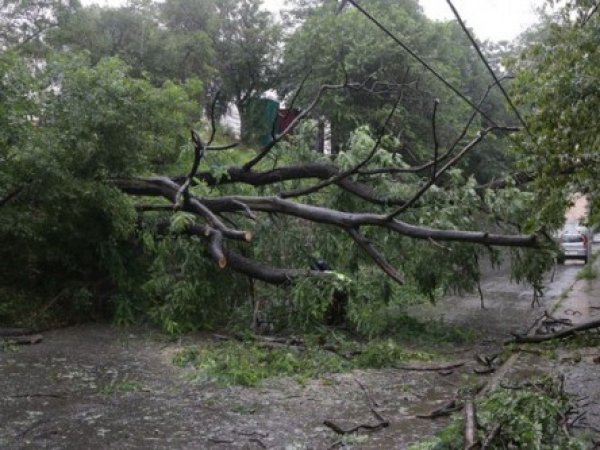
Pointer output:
x,y
249,363
590,271
563,296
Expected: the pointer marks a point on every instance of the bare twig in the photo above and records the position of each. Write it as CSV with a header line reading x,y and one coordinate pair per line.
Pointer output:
x,y
352,170
444,168
267,148
447,153
182,192
12,194
494,432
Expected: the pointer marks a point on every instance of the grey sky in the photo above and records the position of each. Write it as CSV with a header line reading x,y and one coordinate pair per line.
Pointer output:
x,y
491,19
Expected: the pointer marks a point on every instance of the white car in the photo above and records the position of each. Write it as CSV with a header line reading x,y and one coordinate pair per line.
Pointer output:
x,y
575,244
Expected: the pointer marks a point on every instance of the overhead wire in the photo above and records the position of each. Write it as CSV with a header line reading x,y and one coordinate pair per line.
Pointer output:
x,y
420,60
487,65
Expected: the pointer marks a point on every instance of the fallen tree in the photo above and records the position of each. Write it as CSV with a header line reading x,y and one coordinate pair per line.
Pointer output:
x,y
313,181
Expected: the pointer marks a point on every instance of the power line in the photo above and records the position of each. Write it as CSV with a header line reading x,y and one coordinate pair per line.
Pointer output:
x,y
487,65
420,60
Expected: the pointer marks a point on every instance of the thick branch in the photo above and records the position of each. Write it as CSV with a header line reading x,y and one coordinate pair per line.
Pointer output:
x,y
215,247
345,174
164,187
470,432
161,186
298,172
227,258
376,256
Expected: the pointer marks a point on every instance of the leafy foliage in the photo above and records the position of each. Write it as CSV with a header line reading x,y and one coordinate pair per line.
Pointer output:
x,y
114,94
529,416
184,290
65,128
556,82
249,364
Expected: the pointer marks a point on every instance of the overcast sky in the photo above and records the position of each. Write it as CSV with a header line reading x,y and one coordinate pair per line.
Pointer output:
x,y
491,19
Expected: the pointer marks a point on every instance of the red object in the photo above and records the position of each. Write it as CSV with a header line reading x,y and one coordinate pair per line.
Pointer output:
x,y
285,117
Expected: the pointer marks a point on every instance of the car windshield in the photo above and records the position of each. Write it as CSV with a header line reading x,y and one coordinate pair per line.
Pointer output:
x,y
572,238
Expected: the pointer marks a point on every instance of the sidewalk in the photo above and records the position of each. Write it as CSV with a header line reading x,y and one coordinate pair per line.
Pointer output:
x,y
579,364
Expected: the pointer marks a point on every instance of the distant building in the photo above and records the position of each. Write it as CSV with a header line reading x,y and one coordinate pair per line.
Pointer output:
x,y
577,213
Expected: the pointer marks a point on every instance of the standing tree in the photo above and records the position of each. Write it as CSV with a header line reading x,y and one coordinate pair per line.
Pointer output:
x,y
247,42
558,84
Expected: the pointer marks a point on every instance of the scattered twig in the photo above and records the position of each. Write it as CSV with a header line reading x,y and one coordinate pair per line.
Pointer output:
x,y
31,427
221,441
382,422
431,368
7,332
257,441
486,360
444,410
366,427
24,340
495,431
36,395
253,433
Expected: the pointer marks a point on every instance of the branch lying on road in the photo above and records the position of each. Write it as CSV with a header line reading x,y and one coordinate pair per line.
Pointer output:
x,y
558,335
431,368
382,422
24,340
